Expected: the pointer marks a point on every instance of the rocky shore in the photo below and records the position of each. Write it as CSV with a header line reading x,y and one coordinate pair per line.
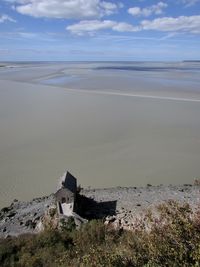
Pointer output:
x,y
120,206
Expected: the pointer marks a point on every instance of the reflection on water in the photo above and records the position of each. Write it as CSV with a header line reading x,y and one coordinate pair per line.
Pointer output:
x,y
59,80
147,78
104,140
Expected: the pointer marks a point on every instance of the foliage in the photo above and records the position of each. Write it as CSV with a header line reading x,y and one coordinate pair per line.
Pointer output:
x,y
171,237
68,225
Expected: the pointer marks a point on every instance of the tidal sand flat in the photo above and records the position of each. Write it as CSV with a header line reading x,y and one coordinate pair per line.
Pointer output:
x,y
126,129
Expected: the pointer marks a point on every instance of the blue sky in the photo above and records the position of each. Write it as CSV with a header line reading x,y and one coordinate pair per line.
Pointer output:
x,y
99,30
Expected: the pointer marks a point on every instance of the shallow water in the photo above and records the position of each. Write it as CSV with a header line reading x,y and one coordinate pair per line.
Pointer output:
x,y
103,139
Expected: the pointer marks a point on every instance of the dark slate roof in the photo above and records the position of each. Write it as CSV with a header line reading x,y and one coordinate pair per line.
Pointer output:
x,y
70,182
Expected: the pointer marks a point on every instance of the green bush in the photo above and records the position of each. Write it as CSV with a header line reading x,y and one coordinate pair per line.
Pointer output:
x,y
68,225
171,238
92,233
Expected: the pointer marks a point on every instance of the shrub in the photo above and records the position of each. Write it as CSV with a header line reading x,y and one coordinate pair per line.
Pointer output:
x,y
171,237
68,225
90,234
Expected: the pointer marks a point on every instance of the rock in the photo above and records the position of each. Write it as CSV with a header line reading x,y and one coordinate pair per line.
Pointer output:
x,y
117,224
30,224
5,210
39,227
78,222
110,219
12,214
128,204
37,219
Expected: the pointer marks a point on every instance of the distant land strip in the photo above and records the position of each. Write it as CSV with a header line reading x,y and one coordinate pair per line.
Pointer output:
x,y
136,95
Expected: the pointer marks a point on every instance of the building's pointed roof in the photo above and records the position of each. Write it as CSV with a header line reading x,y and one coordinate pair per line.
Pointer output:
x,y
68,181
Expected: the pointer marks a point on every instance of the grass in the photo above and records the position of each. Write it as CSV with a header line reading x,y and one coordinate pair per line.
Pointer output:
x,y
171,238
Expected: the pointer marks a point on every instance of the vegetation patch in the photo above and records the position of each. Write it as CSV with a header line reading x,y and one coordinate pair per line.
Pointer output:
x,y
169,238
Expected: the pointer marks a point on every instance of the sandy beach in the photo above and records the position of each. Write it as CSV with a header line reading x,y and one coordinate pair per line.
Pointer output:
x,y
104,135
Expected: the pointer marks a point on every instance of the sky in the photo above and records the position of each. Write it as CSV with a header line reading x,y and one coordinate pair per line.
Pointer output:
x,y
107,30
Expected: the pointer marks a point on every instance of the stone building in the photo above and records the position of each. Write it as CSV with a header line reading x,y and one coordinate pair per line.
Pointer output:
x,y
66,194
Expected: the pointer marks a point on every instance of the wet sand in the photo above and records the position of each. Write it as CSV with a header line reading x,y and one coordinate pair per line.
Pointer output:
x,y
104,137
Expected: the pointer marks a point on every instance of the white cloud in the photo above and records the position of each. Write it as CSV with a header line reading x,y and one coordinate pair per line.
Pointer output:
x,y
78,9
124,27
92,26
182,24
190,24
148,11
189,3
4,18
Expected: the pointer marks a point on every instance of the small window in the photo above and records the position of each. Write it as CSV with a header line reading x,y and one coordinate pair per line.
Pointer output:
x,y
63,200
